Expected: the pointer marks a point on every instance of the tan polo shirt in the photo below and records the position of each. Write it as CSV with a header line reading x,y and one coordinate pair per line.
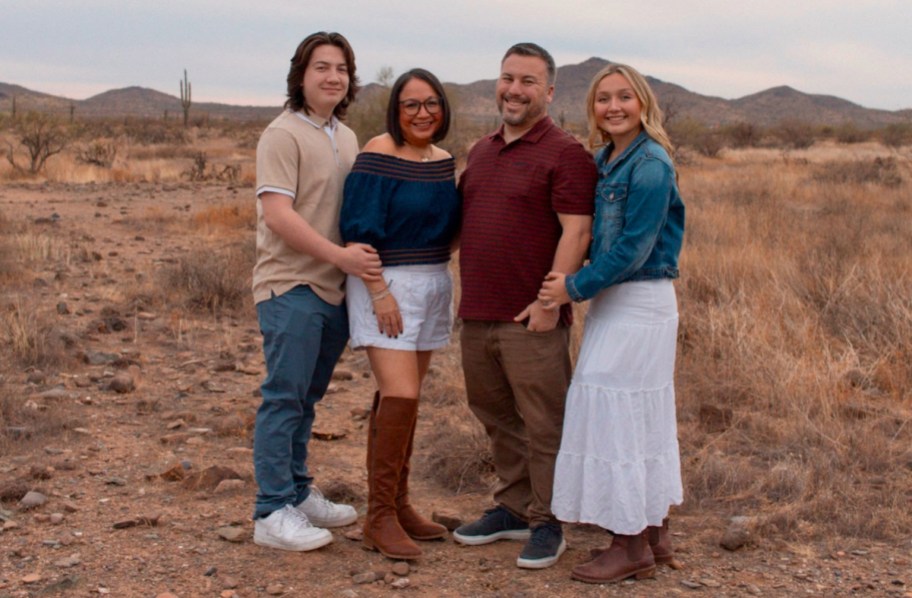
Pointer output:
x,y
298,157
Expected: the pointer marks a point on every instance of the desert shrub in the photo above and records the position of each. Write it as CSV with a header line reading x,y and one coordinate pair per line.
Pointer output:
x,y
87,130
211,279
443,385
227,173
248,139
697,136
197,169
41,136
146,131
794,134
879,171
201,169
98,153
460,457
850,133
740,134
33,338
367,115
463,134
897,135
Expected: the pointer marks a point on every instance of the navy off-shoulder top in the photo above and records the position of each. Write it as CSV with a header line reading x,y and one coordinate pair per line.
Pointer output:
x,y
409,211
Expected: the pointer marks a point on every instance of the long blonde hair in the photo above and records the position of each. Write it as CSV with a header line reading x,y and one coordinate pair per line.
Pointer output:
x,y
650,116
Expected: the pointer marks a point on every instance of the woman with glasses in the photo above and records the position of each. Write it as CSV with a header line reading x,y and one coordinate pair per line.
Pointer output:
x,y
401,198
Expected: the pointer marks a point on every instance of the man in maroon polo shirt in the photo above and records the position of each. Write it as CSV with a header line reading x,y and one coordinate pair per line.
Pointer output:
x,y
527,209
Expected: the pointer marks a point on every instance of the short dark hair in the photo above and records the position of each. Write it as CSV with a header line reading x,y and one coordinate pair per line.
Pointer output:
x,y
530,49
392,110
296,100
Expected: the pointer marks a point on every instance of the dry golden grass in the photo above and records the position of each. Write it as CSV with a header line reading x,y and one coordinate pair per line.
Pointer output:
x,y
33,340
30,337
217,219
795,364
210,279
10,266
149,156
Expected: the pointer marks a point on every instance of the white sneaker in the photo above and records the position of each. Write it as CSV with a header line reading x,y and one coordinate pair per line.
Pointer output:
x,y
289,529
323,513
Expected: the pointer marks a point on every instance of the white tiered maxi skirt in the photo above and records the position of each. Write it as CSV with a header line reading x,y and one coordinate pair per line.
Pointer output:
x,y
619,464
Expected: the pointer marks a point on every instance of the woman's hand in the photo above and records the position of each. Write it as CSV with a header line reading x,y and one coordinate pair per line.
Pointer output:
x,y
553,292
389,319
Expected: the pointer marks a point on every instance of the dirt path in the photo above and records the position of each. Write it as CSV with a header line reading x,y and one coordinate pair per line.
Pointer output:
x,y
112,524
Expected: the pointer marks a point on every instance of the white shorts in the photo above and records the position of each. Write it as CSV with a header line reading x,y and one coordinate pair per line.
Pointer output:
x,y
425,297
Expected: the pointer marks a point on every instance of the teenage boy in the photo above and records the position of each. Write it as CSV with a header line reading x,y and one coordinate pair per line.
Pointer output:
x,y
303,158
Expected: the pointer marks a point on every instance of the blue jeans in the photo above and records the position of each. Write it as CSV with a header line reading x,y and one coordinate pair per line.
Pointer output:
x,y
303,338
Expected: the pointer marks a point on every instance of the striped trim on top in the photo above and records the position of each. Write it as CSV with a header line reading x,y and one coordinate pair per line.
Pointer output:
x,y
409,170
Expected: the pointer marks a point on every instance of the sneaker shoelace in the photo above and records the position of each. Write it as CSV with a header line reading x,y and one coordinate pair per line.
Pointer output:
x,y
299,518
541,536
324,502
497,512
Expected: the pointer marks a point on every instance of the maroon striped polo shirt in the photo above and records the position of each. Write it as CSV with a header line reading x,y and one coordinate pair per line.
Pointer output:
x,y
511,196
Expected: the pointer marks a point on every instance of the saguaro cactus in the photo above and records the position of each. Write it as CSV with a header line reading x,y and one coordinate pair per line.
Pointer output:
x,y
185,97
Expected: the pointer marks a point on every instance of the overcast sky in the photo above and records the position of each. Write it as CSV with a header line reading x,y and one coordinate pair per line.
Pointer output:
x,y
238,51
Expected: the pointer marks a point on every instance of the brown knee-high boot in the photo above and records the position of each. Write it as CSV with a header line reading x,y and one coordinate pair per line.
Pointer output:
x,y
660,544
416,526
628,556
392,419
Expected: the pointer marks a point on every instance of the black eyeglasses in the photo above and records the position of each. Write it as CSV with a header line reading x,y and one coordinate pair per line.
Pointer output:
x,y
413,107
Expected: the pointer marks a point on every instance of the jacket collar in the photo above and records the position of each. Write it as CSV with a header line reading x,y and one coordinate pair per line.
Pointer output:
x,y
640,139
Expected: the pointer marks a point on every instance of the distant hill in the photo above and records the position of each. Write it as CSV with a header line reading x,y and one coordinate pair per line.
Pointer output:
x,y
138,102
475,101
784,102
765,108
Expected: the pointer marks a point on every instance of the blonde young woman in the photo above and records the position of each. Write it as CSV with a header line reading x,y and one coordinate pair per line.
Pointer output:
x,y
619,464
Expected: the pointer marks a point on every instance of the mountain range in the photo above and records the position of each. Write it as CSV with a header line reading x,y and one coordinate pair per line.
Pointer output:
x,y
475,101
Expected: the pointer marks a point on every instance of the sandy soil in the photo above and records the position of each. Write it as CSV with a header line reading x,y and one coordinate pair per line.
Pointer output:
x,y
112,524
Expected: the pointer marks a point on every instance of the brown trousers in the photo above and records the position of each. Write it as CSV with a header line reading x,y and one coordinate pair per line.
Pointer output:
x,y
516,381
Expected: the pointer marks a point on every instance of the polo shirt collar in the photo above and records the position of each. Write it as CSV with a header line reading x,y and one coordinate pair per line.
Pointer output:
x,y
533,135
317,122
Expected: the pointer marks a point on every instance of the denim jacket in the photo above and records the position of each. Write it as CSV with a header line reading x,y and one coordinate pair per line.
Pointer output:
x,y
639,220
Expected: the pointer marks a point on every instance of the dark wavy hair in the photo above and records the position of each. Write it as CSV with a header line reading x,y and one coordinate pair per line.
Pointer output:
x,y
392,110
300,60
530,49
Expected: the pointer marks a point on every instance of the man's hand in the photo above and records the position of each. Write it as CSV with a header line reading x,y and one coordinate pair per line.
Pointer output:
x,y
553,292
356,259
360,260
540,319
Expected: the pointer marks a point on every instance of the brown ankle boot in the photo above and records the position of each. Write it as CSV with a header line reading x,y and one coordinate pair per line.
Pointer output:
x,y
415,525
628,556
660,544
392,419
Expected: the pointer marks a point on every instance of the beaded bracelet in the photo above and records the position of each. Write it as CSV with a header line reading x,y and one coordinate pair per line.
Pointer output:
x,y
380,295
